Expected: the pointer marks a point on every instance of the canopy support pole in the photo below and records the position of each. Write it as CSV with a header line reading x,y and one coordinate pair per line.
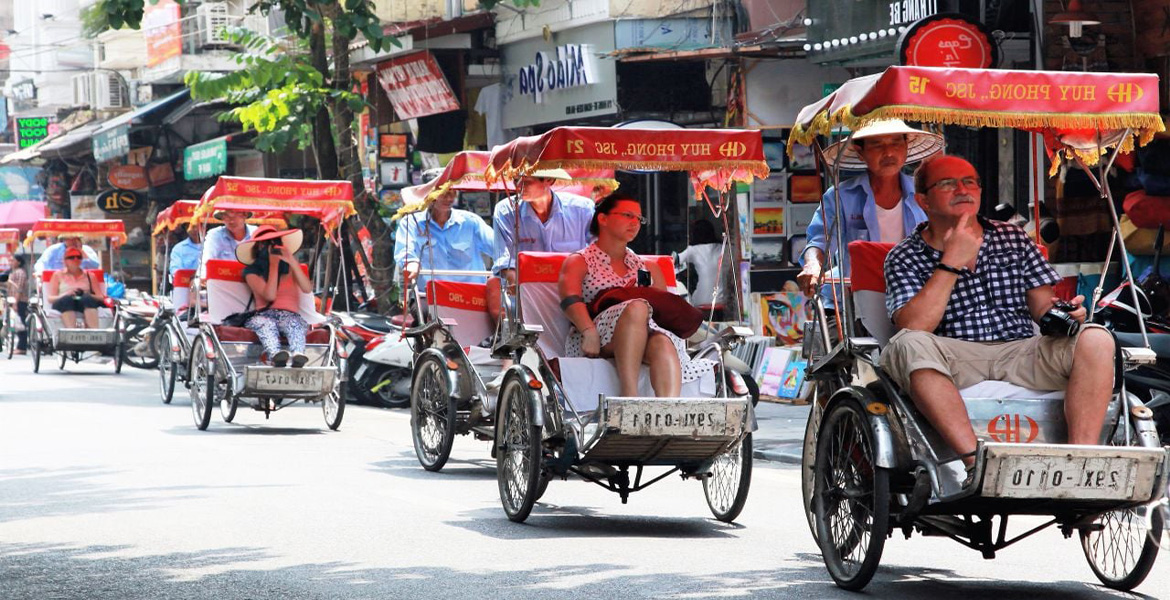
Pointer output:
x,y
1102,184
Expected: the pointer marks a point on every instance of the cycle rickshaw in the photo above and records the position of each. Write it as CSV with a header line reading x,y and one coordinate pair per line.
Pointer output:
x,y
224,364
46,333
170,334
558,415
9,241
873,465
457,313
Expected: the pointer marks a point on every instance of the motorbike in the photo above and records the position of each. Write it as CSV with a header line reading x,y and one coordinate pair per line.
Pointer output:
x,y
379,359
140,321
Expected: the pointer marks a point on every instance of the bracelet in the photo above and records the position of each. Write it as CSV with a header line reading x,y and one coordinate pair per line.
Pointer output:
x,y
571,300
941,266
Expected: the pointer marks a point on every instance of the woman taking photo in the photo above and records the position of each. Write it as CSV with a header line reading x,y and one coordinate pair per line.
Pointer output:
x,y
627,331
73,290
274,275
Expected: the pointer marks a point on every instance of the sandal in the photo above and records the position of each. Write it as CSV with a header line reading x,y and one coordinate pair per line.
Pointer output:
x,y
280,359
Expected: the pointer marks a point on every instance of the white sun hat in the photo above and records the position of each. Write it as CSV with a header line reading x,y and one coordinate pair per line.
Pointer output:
x,y
920,144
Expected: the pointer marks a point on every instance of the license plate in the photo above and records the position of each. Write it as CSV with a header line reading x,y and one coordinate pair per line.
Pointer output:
x,y
664,418
289,380
83,337
1071,477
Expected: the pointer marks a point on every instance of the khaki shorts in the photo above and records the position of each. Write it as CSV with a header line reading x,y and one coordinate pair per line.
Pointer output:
x,y
1041,363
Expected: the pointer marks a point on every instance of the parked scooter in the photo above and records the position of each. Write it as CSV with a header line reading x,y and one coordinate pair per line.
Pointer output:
x,y
376,373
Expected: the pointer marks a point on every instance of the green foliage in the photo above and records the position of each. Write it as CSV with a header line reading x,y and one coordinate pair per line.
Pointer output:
x,y
276,92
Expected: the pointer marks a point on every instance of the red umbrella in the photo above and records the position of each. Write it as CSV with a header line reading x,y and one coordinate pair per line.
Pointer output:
x,y
21,214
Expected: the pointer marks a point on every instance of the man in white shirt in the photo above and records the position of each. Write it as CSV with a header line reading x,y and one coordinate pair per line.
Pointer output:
x,y
220,243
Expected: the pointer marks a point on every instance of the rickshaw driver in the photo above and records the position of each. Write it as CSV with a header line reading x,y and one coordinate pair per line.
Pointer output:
x,y
220,243
549,222
878,206
442,237
965,291
185,254
54,257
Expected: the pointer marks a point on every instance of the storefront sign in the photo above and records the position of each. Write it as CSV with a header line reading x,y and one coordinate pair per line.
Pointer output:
x,y
544,84
164,33
111,144
205,160
416,86
909,11
572,65
119,201
30,130
128,177
848,30
25,90
948,40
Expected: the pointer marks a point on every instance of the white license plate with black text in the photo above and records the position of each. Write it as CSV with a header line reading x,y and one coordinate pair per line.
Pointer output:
x,y
289,380
662,418
81,337
1066,477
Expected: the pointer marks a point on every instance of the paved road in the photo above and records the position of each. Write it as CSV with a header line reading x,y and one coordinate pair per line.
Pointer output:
x,y
107,493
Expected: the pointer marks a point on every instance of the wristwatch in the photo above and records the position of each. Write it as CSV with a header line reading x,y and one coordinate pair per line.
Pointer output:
x,y
949,269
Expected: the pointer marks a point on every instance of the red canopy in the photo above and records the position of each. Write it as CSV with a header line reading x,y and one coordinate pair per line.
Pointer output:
x,y
9,236
328,201
1079,113
90,229
714,157
465,173
182,212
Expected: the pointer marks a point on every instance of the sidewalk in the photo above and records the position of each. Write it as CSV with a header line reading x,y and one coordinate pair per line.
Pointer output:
x,y
780,437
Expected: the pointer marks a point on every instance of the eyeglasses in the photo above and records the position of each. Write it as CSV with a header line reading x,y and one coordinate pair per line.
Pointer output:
x,y
951,184
630,215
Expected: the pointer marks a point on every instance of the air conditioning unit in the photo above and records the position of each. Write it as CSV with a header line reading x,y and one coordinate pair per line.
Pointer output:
x,y
212,18
108,91
83,89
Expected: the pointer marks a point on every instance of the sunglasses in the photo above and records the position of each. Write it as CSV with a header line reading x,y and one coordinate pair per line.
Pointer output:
x,y
630,215
72,258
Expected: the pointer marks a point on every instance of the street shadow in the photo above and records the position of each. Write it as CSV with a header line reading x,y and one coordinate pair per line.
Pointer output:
x,y
38,571
455,470
230,429
553,521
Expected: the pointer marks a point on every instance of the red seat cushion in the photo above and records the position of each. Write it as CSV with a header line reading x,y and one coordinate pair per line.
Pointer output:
x,y
402,320
227,333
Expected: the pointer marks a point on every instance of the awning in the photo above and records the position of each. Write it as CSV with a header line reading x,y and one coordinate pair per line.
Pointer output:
x,y
78,138
136,116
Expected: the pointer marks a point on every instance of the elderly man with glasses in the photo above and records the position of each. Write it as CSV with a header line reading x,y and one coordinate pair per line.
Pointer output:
x,y
966,293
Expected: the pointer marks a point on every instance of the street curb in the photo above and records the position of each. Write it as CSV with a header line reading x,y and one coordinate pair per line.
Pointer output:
x,y
781,453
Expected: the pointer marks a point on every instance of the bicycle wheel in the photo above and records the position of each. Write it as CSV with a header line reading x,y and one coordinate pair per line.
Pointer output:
x,y
167,368
34,343
726,487
203,383
432,414
850,497
518,457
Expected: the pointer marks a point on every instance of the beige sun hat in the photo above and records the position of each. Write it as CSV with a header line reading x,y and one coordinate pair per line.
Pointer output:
x,y
551,174
920,144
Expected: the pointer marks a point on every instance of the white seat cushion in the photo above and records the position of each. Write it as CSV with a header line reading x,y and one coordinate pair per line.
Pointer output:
x,y
586,379
227,294
1005,390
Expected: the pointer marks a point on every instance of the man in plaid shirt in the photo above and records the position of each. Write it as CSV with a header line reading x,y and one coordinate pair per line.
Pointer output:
x,y
965,292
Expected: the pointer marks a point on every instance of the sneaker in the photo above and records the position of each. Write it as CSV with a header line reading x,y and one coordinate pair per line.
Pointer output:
x,y
495,382
299,359
280,359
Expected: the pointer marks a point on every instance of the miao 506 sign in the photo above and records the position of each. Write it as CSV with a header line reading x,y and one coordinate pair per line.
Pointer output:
x,y
571,67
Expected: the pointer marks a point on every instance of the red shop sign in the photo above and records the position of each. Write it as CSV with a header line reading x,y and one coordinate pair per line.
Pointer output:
x,y
416,86
948,40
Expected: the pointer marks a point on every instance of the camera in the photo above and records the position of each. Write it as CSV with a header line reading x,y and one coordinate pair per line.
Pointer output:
x,y
1058,322
78,293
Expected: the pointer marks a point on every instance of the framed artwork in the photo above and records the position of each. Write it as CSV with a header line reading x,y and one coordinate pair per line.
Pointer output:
x,y
768,220
392,145
394,173
804,188
774,152
771,190
767,252
802,158
479,203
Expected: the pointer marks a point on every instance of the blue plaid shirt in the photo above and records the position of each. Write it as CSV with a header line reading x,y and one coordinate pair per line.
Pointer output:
x,y
988,304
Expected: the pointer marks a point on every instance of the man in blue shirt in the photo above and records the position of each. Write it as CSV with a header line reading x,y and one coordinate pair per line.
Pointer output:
x,y
442,237
53,258
220,243
185,254
878,206
549,222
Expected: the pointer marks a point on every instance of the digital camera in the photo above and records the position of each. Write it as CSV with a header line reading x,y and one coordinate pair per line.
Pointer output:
x,y
1058,322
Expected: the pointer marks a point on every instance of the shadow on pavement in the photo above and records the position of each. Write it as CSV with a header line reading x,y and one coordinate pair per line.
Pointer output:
x,y
455,470
37,571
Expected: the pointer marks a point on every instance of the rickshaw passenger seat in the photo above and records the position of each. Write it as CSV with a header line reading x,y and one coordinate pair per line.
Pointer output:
x,y
181,287
583,379
466,304
868,283
227,294
105,315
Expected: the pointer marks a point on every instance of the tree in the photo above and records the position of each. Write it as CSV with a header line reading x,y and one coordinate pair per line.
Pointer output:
x,y
290,93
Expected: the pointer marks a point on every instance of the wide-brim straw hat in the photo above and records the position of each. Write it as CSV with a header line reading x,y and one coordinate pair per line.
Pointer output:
x,y
551,174
218,215
292,240
920,145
